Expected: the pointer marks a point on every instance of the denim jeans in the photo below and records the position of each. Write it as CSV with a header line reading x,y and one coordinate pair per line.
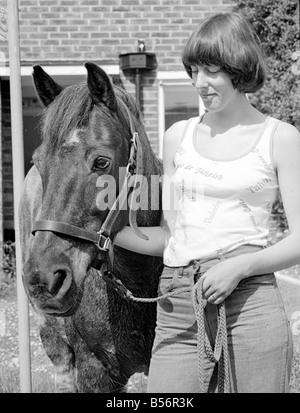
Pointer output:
x,y
259,337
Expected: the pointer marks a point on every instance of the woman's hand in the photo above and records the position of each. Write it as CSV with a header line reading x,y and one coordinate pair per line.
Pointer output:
x,y
221,279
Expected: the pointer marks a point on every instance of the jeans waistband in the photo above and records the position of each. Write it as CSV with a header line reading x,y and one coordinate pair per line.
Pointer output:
x,y
196,268
208,262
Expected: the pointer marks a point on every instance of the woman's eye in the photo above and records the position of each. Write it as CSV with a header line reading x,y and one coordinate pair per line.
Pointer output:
x,y
213,69
100,164
206,69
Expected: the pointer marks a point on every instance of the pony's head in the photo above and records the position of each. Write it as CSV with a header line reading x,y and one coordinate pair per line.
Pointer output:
x,y
82,160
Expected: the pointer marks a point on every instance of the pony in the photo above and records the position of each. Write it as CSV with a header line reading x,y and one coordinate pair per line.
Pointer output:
x,y
94,335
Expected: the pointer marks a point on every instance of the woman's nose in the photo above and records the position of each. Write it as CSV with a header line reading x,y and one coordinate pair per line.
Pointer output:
x,y
201,80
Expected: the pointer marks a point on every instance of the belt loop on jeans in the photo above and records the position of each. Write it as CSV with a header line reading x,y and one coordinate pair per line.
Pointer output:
x,y
220,254
180,271
197,268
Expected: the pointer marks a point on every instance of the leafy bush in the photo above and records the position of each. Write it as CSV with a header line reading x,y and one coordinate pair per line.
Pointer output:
x,y
276,22
8,267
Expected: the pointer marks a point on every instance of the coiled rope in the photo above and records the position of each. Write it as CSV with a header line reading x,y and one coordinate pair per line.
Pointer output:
x,y
219,355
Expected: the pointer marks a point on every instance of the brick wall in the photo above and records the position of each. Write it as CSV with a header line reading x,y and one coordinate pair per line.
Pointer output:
x,y
74,31
79,30
7,173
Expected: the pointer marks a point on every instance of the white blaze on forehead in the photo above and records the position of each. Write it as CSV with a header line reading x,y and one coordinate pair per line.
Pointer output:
x,y
73,138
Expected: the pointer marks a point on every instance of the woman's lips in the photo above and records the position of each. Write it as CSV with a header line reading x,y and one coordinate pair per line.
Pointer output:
x,y
208,95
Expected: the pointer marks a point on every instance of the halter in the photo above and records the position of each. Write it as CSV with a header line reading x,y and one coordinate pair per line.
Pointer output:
x,y
102,238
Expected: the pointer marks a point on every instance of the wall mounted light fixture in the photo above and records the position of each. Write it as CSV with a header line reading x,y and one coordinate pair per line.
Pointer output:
x,y
137,63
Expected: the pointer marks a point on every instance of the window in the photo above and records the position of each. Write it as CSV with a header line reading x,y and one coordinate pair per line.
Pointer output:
x,y
178,100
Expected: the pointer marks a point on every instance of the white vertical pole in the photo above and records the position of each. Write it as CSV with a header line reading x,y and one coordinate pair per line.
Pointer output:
x,y
161,118
18,178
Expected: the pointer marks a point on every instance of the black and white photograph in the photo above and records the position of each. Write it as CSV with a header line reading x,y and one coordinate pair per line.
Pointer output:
x,y
150,199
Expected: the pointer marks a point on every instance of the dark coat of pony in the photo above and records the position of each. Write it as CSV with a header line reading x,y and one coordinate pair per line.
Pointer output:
x,y
95,339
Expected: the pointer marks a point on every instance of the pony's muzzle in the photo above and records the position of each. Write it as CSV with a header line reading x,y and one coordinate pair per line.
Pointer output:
x,y
49,285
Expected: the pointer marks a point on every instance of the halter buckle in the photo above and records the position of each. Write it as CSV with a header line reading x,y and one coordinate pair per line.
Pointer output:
x,y
104,243
134,139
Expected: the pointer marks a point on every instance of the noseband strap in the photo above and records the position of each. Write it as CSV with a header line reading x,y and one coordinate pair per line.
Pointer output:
x,y
67,229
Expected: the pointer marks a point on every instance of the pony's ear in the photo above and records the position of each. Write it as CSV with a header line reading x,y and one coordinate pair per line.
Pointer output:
x,y
100,86
45,87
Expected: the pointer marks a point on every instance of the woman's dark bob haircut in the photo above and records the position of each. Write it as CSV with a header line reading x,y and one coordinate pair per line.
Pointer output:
x,y
227,40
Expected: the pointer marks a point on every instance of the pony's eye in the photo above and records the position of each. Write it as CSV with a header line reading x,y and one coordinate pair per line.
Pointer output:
x,y
100,164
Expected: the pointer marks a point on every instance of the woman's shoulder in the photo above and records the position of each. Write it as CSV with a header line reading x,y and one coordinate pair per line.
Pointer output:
x,y
177,130
286,133
286,142
172,140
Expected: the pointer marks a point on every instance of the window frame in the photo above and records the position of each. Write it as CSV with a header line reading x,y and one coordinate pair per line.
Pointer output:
x,y
179,78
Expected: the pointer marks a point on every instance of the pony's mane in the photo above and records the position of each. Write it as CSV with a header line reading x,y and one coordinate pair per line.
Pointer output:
x,y
71,110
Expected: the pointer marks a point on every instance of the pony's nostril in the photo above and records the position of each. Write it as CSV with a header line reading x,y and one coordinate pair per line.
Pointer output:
x,y
58,279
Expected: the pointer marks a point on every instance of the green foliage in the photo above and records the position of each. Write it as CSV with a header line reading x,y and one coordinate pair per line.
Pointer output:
x,y
279,214
276,22
7,267
9,259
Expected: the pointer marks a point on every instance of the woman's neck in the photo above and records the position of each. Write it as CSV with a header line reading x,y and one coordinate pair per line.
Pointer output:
x,y
238,112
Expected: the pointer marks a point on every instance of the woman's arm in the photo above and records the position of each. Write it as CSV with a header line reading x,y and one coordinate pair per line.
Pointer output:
x,y
155,245
158,236
221,279
286,252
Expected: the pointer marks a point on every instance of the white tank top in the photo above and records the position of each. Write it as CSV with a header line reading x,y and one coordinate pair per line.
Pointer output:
x,y
223,204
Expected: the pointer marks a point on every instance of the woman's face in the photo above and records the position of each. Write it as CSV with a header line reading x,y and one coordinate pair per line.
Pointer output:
x,y
214,86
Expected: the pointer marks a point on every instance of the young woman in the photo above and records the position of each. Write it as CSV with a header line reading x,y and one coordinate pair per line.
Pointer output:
x,y
227,167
